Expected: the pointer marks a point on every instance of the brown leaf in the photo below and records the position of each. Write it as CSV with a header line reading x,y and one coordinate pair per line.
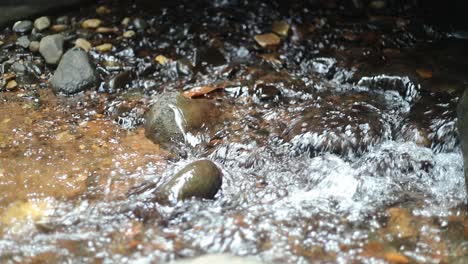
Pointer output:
x,y
394,257
199,91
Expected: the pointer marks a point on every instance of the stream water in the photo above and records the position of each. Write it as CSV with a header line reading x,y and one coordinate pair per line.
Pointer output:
x,y
338,145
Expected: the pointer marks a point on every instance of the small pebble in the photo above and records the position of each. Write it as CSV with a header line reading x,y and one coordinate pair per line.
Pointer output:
x,y
91,23
34,46
268,39
106,30
161,59
83,44
23,41
125,22
103,10
23,26
1,43
106,47
129,34
42,23
59,28
11,85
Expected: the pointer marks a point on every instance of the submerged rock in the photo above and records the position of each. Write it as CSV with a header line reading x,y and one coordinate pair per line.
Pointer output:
x,y
199,179
51,48
345,124
74,74
172,116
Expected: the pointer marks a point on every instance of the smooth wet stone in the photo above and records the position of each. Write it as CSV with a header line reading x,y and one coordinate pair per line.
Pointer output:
x,y
199,179
11,85
462,113
51,48
106,30
91,23
34,46
267,40
83,44
103,48
172,116
23,41
74,74
23,26
209,56
42,23
129,34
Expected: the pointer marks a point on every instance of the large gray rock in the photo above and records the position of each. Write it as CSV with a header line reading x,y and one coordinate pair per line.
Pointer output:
x,y
462,112
172,116
51,48
74,74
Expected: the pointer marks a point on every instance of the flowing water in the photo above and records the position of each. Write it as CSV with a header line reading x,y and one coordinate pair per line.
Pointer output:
x,y
340,145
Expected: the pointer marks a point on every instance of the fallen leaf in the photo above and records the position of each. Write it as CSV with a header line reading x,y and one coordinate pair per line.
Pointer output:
x,y
424,73
394,257
199,91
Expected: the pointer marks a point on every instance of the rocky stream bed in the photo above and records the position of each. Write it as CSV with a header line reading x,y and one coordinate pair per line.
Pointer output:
x,y
313,132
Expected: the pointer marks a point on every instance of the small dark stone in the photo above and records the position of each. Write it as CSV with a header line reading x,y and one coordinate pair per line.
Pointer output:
x,y
23,26
267,92
74,74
